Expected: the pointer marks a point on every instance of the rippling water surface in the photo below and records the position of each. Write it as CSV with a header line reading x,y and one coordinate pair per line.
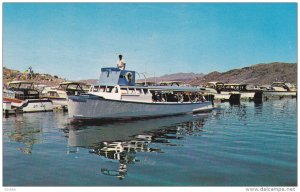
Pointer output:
x,y
246,145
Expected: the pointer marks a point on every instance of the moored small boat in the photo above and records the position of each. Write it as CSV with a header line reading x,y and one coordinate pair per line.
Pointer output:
x,y
58,95
280,89
25,98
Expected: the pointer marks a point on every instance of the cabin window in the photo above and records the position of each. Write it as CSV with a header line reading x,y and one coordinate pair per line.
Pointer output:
x,y
53,94
13,85
124,91
73,86
131,91
95,89
109,89
138,91
145,91
102,89
210,86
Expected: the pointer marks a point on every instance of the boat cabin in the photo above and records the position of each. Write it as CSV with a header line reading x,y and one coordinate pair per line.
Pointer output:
x,y
235,87
23,90
115,76
120,85
282,86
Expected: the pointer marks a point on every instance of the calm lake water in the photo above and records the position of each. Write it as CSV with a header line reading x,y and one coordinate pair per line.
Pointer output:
x,y
246,145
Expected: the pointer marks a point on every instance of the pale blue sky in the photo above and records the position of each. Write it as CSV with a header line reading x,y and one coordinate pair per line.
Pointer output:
x,y
76,40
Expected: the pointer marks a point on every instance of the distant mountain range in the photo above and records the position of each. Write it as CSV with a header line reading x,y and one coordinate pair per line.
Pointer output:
x,y
260,74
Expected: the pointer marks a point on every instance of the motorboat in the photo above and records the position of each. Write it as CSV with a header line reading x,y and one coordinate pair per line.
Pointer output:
x,y
117,97
58,95
215,89
24,97
281,89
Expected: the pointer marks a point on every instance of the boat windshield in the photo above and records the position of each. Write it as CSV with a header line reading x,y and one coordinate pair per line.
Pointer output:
x,y
70,87
278,84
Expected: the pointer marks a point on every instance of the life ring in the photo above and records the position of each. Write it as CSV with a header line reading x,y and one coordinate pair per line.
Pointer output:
x,y
128,76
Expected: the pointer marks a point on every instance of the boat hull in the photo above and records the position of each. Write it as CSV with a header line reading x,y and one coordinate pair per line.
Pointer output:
x,y
31,105
94,107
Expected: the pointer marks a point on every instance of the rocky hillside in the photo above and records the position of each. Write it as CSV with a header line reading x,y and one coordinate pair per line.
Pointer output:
x,y
38,78
260,74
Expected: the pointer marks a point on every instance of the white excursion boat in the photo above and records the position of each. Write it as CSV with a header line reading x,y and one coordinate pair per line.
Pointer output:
x,y
215,89
117,97
25,98
281,89
58,95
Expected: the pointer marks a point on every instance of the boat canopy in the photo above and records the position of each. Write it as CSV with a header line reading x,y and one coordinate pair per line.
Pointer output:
x,y
21,84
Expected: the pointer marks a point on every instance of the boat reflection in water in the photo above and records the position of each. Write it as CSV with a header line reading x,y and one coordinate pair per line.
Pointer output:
x,y
123,141
26,136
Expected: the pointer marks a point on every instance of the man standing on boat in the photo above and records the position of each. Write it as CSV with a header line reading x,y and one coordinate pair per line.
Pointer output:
x,y
121,63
